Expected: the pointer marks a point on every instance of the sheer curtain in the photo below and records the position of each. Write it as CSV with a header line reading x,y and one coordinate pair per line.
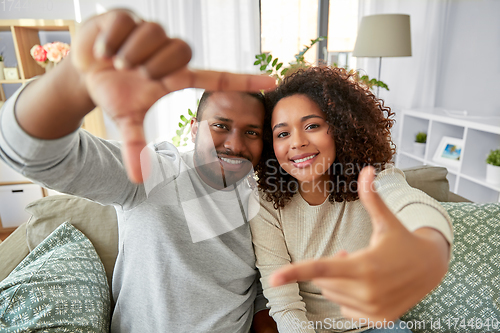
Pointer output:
x,y
223,34
413,81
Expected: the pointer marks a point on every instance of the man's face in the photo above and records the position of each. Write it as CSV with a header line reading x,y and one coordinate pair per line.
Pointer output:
x,y
228,138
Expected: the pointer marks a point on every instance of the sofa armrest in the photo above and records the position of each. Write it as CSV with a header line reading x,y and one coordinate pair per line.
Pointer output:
x,y
453,197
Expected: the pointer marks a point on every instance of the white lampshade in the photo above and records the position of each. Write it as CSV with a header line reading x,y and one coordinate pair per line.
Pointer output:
x,y
385,35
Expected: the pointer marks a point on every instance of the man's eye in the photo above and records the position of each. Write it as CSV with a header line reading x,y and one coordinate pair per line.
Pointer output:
x,y
253,133
222,126
282,134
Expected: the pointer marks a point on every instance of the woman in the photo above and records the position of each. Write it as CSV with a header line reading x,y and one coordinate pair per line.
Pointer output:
x,y
324,129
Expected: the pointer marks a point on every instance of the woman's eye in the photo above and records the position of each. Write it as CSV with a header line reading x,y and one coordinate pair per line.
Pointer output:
x,y
312,126
282,134
253,133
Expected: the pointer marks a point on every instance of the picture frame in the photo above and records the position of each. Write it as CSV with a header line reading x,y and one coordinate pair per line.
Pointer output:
x,y
449,152
11,73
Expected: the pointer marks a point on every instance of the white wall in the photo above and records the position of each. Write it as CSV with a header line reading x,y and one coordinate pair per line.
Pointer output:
x,y
470,72
470,64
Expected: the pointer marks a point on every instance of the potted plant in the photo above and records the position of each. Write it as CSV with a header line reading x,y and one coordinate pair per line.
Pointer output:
x,y
419,144
493,167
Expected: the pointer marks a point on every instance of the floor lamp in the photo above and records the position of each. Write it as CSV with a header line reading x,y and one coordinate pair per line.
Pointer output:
x,y
385,35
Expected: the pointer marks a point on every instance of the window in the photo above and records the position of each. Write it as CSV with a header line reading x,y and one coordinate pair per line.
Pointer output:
x,y
288,25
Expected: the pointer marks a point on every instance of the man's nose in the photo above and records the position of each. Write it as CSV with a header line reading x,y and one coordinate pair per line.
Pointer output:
x,y
235,142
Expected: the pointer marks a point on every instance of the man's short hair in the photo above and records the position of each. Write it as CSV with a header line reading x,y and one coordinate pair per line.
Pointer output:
x,y
203,101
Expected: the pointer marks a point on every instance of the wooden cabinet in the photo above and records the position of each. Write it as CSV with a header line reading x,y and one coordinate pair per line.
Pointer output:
x,y
25,34
478,135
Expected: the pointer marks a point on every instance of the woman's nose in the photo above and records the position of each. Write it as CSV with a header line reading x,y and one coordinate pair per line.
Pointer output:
x,y
299,140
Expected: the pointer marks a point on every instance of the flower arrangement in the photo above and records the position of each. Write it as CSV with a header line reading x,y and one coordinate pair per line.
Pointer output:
x,y
49,53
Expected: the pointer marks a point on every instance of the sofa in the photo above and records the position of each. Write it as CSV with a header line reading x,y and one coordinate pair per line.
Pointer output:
x,y
466,300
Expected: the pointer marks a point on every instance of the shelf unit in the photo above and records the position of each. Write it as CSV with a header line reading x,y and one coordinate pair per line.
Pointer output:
x,y
479,135
25,34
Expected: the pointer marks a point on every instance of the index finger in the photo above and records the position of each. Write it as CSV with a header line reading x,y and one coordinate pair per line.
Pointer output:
x,y
217,81
312,269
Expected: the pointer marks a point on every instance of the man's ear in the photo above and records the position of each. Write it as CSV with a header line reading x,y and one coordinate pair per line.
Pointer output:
x,y
194,129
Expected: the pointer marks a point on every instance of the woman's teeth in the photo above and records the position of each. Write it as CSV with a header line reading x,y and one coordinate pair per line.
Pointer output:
x,y
304,159
231,161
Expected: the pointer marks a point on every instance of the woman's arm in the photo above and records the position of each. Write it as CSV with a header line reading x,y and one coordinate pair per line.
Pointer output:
x,y
287,307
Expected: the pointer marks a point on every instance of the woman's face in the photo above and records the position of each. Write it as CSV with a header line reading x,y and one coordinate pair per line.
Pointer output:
x,y
301,139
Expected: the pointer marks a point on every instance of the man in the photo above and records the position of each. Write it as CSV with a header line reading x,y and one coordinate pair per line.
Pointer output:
x,y
177,270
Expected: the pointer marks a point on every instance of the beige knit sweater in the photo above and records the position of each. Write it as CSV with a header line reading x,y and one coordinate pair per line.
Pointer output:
x,y
300,231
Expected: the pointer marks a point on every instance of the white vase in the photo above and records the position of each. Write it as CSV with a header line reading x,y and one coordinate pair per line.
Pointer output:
x,y
492,174
2,66
50,65
418,149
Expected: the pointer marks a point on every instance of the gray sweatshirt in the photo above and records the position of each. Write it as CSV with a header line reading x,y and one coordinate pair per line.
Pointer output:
x,y
185,261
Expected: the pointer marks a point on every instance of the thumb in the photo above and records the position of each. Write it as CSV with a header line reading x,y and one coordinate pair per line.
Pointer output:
x,y
381,216
133,143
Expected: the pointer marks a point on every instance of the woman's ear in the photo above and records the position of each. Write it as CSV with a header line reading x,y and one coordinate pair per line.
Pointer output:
x,y
194,129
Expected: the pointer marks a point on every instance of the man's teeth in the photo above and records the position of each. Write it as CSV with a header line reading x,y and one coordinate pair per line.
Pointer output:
x,y
231,161
305,159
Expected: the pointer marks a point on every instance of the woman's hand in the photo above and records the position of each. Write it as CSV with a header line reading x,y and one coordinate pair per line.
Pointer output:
x,y
384,280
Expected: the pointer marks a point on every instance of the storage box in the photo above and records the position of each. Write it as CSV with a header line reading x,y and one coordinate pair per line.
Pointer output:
x,y
8,175
13,199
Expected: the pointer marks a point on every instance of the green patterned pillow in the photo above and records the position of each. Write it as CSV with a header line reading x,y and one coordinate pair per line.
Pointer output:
x,y
60,286
467,300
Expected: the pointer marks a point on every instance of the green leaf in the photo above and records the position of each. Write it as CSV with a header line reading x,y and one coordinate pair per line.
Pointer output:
x,y
181,125
186,138
190,113
279,66
269,58
178,132
263,67
275,62
257,62
183,118
269,71
283,72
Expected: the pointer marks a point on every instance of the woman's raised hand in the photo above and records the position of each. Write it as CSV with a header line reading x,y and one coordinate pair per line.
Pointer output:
x,y
384,280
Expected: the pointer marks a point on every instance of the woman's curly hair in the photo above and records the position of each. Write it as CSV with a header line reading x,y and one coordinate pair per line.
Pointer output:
x,y
359,123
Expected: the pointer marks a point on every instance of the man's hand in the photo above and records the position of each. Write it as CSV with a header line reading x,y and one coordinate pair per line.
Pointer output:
x,y
263,323
385,279
127,64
